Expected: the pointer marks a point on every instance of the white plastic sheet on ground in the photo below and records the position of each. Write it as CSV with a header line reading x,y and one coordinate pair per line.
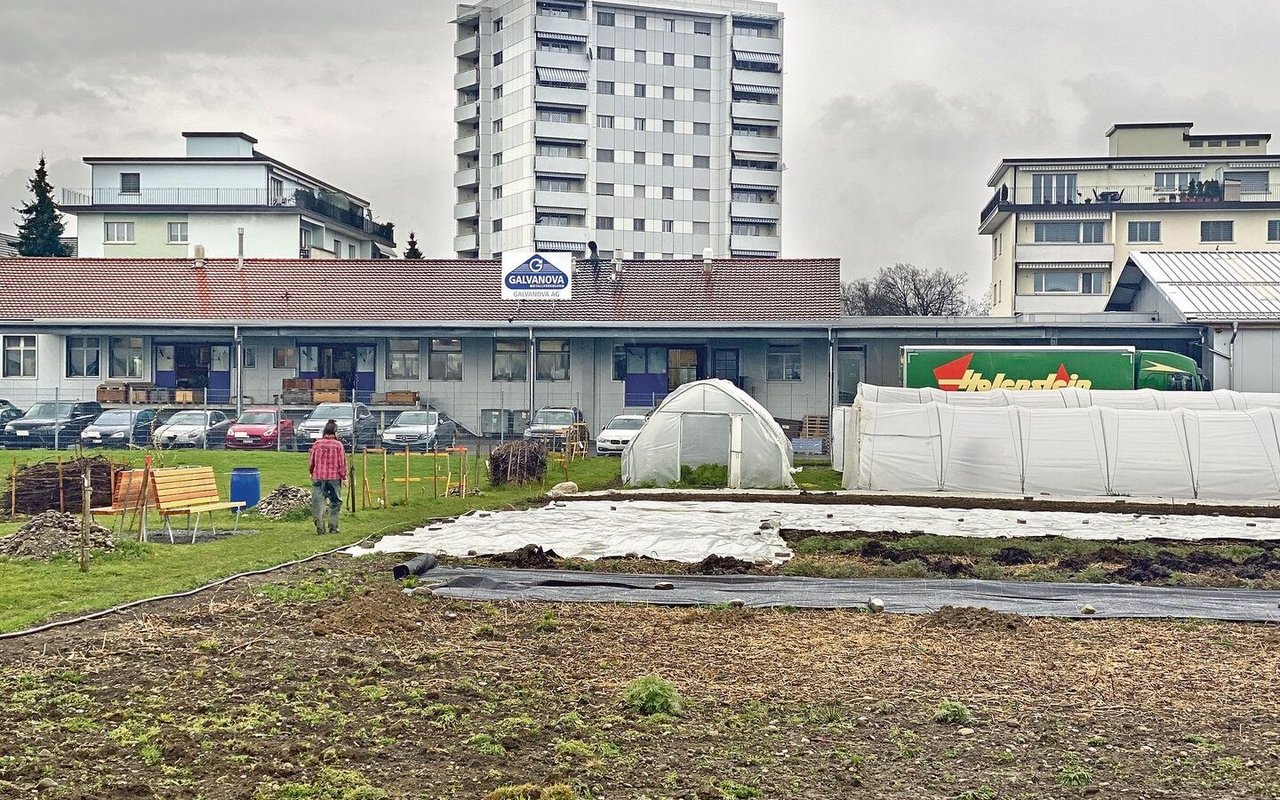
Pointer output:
x,y
1211,455
689,531
710,422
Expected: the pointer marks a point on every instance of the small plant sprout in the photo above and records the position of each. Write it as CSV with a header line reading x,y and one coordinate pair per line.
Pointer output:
x,y
950,712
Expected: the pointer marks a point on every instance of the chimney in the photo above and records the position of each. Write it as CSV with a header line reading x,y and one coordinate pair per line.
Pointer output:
x,y
707,266
240,249
199,256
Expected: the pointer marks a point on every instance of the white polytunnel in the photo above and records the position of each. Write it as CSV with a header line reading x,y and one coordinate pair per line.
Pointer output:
x,y
710,422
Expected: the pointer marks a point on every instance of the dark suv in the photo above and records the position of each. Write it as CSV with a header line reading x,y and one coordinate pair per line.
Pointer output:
x,y
47,422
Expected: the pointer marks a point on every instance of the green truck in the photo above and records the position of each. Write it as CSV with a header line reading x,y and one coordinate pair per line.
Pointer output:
x,y
980,369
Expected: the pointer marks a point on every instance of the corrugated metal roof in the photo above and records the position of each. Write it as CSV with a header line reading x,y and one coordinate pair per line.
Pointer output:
x,y
1215,285
560,75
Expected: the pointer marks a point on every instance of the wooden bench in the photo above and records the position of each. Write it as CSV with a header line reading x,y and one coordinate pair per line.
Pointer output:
x,y
189,490
128,496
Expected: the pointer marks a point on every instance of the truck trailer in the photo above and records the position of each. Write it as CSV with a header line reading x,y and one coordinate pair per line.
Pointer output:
x,y
981,369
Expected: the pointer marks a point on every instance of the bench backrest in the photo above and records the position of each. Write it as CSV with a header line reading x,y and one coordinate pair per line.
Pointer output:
x,y
128,492
184,486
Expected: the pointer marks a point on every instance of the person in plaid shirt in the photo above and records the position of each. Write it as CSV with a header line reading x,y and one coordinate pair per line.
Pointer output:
x,y
328,470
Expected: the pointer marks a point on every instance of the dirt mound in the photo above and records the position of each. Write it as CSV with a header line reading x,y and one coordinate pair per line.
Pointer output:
x,y
282,501
975,619
371,611
531,556
723,565
50,534
1013,556
950,567
878,549
1140,569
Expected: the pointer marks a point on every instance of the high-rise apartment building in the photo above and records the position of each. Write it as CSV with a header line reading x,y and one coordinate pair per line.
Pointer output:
x,y
653,128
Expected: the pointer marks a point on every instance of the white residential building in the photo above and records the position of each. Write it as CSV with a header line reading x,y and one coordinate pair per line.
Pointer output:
x,y
163,207
649,126
1062,228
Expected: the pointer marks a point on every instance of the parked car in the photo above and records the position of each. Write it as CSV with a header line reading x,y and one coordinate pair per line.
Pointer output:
x,y
349,417
120,427
48,423
8,414
6,404
551,423
420,430
615,436
261,429
193,428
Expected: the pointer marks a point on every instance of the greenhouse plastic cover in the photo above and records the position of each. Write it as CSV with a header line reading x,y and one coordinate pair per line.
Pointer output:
x,y
1227,456
710,422
1071,397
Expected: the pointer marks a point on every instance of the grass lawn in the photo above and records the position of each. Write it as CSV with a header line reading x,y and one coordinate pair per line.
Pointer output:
x,y
33,591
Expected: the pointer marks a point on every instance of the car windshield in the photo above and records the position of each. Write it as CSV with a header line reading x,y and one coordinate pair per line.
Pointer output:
x,y
114,418
187,418
328,411
625,424
553,417
49,410
257,418
416,418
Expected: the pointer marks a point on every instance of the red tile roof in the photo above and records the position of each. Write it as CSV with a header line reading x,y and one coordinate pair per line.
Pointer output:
x,y
738,290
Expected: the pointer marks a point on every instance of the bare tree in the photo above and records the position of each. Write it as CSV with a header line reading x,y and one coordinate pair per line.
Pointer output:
x,y
909,291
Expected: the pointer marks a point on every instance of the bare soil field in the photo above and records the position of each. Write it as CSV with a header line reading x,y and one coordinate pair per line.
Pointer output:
x,y
327,681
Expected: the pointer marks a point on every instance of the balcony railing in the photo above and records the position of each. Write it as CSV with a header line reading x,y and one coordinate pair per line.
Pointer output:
x,y
222,196
1105,197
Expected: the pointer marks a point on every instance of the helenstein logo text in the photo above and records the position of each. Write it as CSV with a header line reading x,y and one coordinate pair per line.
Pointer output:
x,y
956,376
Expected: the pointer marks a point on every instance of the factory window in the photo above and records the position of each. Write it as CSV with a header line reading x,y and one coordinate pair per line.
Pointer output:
x,y
284,357
126,356
782,363
444,359
19,356
553,360
1217,230
619,362
402,359
82,356
1144,231
510,360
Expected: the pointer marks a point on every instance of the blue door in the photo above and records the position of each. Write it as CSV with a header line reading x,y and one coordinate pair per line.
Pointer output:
x,y
645,381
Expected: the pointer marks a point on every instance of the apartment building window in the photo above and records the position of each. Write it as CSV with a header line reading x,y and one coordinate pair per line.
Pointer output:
x,y
126,356
497,225
497,25
1273,230
702,28
604,189
637,224
545,10
402,359
130,183
118,233
1053,187
351,251
668,126
337,248
668,226
782,362
1251,182
604,87
497,92
668,193
638,123
1196,143
1070,232
668,159
553,220
702,162
1093,283
637,255
753,229
557,184
1174,181
552,46
19,356
638,157
641,22
668,59
702,62
277,190
702,95
638,192
604,18
702,129
553,360
639,89
497,159
510,360
1217,230
555,115
497,59
668,93
444,359
1144,231
604,223
641,56
1091,232
669,25
497,192
604,156
753,196
557,149
604,53
702,228
701,194
83,353
1056,281
177,233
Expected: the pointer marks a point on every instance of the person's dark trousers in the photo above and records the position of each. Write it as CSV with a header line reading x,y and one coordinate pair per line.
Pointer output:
x,y
326,493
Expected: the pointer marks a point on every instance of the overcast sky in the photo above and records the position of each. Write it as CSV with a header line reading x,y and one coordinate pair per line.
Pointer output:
x,y
896,111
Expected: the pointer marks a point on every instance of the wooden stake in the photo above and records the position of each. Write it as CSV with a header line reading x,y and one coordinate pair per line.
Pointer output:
x,y
435,476
364,458
84,530
13,489
62,488
407,454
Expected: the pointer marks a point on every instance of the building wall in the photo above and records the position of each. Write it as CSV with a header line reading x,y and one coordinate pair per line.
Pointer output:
x,y
154,177
1254,357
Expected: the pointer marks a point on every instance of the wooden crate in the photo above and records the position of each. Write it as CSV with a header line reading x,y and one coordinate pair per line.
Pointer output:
x,y
328,384
188,396
296,397
326,396
295,383
161,396
112,394
402,398
140,392
814,427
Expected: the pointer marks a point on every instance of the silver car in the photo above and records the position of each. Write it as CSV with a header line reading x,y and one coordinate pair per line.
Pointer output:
x,y
192,428
420,430
349,418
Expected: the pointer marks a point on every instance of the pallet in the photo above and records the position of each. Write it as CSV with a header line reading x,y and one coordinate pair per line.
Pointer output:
x,y
815,427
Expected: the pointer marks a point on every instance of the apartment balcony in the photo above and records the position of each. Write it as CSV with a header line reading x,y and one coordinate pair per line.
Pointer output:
x,y
467,209
466,177
467,112
756,144
466,241
466,79
1104,199
764,112
751,77
558,95
563,25
466,145
743,176
1060,303
742,210
575,61
755,244
467,48
1059,252
559,233
565,131
561,165
353,217
569,200
757,44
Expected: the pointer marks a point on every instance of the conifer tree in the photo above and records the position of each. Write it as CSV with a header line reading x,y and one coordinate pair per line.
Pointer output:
x,y
413,251
41,227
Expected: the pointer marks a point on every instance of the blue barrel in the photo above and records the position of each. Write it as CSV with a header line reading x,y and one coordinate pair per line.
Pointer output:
x,y
246,486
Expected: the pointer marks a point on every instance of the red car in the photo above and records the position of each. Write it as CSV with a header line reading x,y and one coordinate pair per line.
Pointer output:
x,y
261,429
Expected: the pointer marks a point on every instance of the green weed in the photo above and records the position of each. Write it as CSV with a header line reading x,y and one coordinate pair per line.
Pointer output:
x,y
650,694
1073,775
732,790
950,712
